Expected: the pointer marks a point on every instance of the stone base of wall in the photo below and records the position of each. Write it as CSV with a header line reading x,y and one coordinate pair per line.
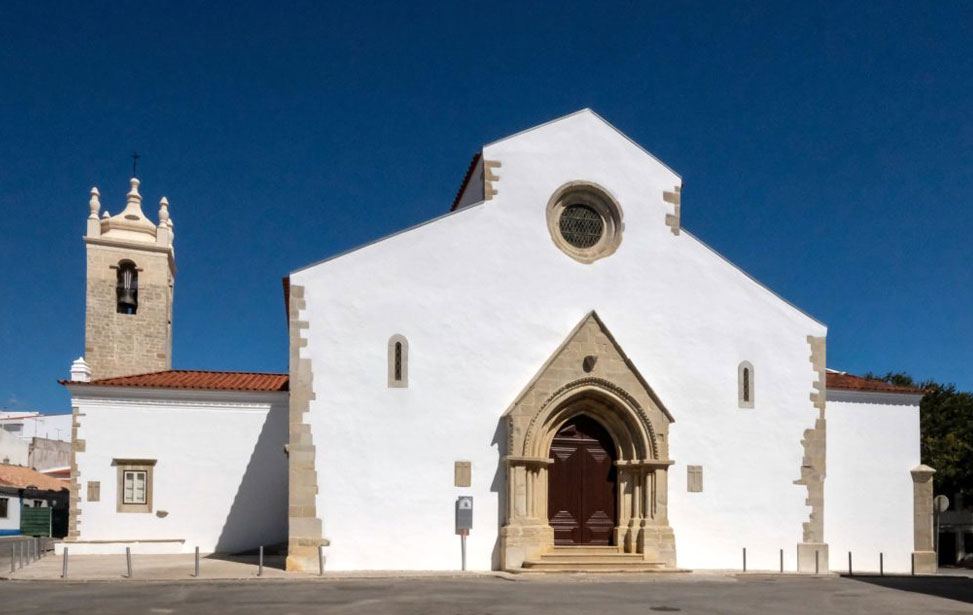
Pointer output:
x,y
808,562
924,562
521,542
658,544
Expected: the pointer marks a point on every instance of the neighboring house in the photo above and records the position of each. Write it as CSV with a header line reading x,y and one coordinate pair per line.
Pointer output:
x,y
25,488
558,347
29,425
48,454
14,450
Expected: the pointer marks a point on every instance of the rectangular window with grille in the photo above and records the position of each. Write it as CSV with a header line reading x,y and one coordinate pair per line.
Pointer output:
x,y
134,487
4,503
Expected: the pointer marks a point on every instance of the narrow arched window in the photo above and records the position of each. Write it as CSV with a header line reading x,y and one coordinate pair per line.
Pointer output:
x,y
745,390
127,288
398,362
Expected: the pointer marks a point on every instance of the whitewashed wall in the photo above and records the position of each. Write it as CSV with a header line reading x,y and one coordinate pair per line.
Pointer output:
x,y
484,297
10,525
221,471
873,443
14,450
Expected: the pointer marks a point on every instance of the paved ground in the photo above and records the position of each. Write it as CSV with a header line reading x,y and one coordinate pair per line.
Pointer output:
x,y
10,544
482,595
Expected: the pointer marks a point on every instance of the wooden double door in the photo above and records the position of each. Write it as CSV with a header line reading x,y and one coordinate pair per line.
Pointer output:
x,y
582,484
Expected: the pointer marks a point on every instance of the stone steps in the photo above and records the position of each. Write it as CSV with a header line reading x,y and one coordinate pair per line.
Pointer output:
x,y
591,559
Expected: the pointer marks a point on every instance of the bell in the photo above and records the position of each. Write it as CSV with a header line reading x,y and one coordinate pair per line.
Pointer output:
x,y
126,298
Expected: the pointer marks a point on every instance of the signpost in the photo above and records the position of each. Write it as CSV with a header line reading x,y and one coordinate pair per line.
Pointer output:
x,y
464,522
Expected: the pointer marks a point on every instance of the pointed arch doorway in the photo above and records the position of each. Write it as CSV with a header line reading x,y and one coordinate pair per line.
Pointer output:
x,y
583,484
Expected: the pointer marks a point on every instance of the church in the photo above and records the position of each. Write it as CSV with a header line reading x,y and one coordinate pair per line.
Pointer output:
x,y
612,393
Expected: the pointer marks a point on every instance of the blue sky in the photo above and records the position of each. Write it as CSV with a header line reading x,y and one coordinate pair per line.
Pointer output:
x,y
826,148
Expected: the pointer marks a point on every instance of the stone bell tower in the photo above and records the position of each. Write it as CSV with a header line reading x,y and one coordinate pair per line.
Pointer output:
x,y
128,301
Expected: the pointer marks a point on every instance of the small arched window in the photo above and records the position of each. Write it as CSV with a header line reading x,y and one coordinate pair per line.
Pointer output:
x,y
398,361
745,390
127,288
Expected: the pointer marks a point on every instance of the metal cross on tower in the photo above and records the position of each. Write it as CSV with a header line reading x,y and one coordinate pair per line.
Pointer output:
x,y
135,162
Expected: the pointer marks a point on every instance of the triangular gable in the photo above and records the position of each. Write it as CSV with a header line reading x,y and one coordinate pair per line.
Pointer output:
x,y
589,338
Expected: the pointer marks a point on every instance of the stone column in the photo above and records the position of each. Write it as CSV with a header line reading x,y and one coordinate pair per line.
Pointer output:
x,y
924,554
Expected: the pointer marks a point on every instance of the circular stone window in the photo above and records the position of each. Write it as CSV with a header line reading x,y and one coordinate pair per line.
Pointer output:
x,y
584,221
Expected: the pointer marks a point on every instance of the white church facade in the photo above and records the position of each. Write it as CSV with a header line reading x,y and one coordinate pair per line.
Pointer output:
x,y
612,393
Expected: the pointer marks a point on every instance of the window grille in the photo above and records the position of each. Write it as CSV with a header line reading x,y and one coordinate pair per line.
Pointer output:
x,y
581,226
398,361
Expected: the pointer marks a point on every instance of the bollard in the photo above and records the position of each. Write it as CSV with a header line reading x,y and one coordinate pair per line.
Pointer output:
x,y
64,566
782,561
196,573
744,559
816,568
849,564
128,560
20,556
260,567
913,564
13,559
881,564
321,560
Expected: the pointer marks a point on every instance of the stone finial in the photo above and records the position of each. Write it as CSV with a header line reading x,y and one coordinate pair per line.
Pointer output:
x,y
163,211
94,203
133,193
80,372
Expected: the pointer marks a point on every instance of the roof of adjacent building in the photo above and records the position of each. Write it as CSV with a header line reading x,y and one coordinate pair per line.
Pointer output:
x,y
847,382
194,379
19,477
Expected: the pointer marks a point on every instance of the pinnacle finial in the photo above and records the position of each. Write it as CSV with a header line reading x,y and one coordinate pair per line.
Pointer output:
x,y
163,211
94,203
133,193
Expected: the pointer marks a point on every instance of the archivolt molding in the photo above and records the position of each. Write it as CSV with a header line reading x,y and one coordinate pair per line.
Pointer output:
x,y
563,400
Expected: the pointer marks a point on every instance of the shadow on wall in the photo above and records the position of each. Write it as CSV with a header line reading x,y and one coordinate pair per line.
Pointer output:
x,y
499,485
258,515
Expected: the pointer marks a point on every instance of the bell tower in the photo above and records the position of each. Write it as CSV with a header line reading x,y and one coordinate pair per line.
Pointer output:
x,y
131,268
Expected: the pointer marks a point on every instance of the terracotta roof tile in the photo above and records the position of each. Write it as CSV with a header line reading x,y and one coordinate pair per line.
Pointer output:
x,y
195,379
20,477
847,382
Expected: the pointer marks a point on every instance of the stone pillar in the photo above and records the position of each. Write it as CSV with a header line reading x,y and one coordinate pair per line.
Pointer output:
x,y
924,553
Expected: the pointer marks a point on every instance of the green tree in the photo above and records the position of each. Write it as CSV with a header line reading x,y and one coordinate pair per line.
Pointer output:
x,y
946,419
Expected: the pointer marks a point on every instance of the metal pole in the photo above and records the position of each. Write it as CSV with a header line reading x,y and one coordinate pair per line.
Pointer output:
x,y
881,564
128,560
260,567
463,548
849,564
782,561
20,556
321,560
13,559
64,567
816,567
744,559
196,573
913,564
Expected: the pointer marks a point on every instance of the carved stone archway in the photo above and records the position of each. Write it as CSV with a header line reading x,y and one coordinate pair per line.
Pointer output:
x,y
589,374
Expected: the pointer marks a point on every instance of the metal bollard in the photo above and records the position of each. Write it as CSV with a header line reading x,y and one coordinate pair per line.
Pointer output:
x,y
196,574
881,564
782,561
913,564
13,559
128,560
849,564
20,556
64,566
817,569
744,559
320,560
260,567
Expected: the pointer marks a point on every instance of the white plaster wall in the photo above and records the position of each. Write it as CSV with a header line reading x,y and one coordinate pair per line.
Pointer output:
x,y
11,524
868,490
484,298
221,471
13,450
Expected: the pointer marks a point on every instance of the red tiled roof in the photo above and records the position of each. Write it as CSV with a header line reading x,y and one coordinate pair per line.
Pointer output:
x,y
195,379
847,382
20,477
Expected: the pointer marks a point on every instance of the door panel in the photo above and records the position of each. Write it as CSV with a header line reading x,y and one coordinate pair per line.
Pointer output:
x,y
582,484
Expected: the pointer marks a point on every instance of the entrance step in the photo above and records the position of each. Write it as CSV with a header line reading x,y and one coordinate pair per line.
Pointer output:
x,y
591,559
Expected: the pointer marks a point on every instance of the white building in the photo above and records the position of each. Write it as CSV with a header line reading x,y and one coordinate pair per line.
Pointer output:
x,y
611,392
29,425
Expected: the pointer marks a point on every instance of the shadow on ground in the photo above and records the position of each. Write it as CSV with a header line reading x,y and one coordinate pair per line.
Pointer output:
x,y
951,587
